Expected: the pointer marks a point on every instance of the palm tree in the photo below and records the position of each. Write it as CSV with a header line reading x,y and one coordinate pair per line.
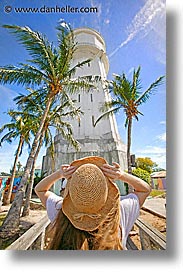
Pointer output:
x,y
17,128
49,67
55,119
128,96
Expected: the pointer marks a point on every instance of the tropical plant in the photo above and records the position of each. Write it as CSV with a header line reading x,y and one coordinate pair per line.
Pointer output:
x,y
19,127
55,119
49,67
127,95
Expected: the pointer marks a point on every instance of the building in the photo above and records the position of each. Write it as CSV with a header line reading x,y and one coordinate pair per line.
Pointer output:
x,y
103,139
158,180
37,171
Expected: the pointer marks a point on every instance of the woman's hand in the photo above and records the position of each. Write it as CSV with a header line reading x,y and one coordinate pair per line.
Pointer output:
x,y
42,188
67,171
112,171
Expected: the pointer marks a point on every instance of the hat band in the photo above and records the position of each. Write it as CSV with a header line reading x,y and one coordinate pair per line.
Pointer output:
x,y
80,216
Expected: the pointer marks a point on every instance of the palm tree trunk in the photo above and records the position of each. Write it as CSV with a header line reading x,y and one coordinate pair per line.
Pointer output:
x,y
26,208
12,220
129,146
130,189
35,145
11,223
7,198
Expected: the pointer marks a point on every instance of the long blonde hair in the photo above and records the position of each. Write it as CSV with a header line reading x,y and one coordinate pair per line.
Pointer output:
x,y
64,236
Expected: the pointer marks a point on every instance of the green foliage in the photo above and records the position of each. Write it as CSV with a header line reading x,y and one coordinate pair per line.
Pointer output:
x,y
5,174
19,170
127,95
2,217
142,174
155,193
146,164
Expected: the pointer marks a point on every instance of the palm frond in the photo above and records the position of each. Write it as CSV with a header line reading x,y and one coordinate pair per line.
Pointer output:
x,y
121,88
112,104
8,137
80,84
136,83
78,65
65,129
126,122
66,48
106,114
37,45
32,69
7,126
14,75
145,96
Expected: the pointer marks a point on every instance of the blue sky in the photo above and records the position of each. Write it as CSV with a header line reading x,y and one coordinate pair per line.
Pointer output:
x,y
134,32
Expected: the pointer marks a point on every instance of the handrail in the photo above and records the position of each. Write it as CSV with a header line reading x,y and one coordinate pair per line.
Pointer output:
x,y
150,237
33,238
30,236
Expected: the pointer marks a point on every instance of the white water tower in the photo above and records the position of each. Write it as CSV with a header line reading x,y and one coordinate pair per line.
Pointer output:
x,y
103,139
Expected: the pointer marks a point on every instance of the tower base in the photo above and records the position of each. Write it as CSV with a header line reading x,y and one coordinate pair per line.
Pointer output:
x,y
109,149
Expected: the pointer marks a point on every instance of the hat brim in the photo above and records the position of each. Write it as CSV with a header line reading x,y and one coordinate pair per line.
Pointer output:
x,y
89,222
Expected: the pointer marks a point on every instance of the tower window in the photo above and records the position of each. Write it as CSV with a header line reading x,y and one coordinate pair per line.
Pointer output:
x,y
91,96
79,98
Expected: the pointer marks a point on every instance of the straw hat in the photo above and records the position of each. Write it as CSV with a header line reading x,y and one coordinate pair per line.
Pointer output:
x,y
89,194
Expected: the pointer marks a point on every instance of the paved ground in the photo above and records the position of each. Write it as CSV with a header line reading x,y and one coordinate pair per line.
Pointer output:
x,y
156,205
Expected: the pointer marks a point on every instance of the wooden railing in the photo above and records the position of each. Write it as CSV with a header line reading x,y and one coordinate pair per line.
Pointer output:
x,y
34,238
150,237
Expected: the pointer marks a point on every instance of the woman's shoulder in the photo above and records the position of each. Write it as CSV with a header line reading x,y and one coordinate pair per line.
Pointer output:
x,y
129,197
53,205
54,197
130,203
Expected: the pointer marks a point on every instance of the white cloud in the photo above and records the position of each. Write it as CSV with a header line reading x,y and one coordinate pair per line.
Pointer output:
x,y
7,94
160,160
157,154
163,122
150,17
106,21
7,155
152,150
162,137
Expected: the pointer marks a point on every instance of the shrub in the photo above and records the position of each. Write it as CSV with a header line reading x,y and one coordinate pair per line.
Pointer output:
x,y
142,174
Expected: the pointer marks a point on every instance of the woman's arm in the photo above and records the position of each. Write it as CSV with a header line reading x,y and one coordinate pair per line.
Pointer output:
x,y
141,188
42,188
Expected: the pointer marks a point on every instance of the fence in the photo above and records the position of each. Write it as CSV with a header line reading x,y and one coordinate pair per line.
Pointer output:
x,y
34,238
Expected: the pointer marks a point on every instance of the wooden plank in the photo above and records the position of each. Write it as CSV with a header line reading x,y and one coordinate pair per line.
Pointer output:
x,y
25,241
155,236
157,232
154,212
130,244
